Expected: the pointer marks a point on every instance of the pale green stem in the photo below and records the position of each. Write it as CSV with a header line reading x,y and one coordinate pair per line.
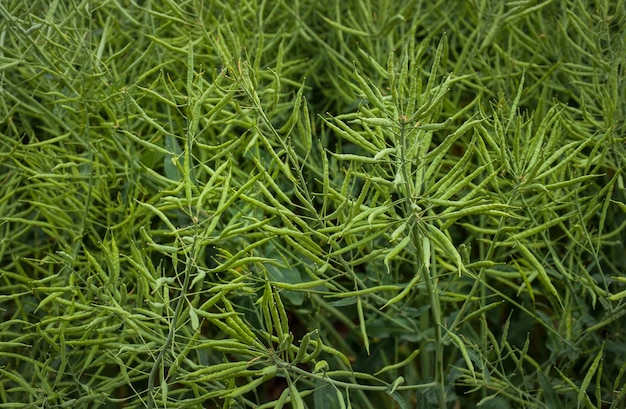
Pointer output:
x,y
429,276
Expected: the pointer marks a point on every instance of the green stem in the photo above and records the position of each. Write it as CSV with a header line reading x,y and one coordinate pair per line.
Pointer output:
x,y
348,385
170,335
429,277
433,294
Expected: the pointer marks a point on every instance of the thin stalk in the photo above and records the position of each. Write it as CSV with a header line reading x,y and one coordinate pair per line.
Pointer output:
x,y
349,385
170,335
429,277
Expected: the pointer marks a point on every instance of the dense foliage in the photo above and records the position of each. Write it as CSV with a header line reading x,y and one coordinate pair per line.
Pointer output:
x,y
312,204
